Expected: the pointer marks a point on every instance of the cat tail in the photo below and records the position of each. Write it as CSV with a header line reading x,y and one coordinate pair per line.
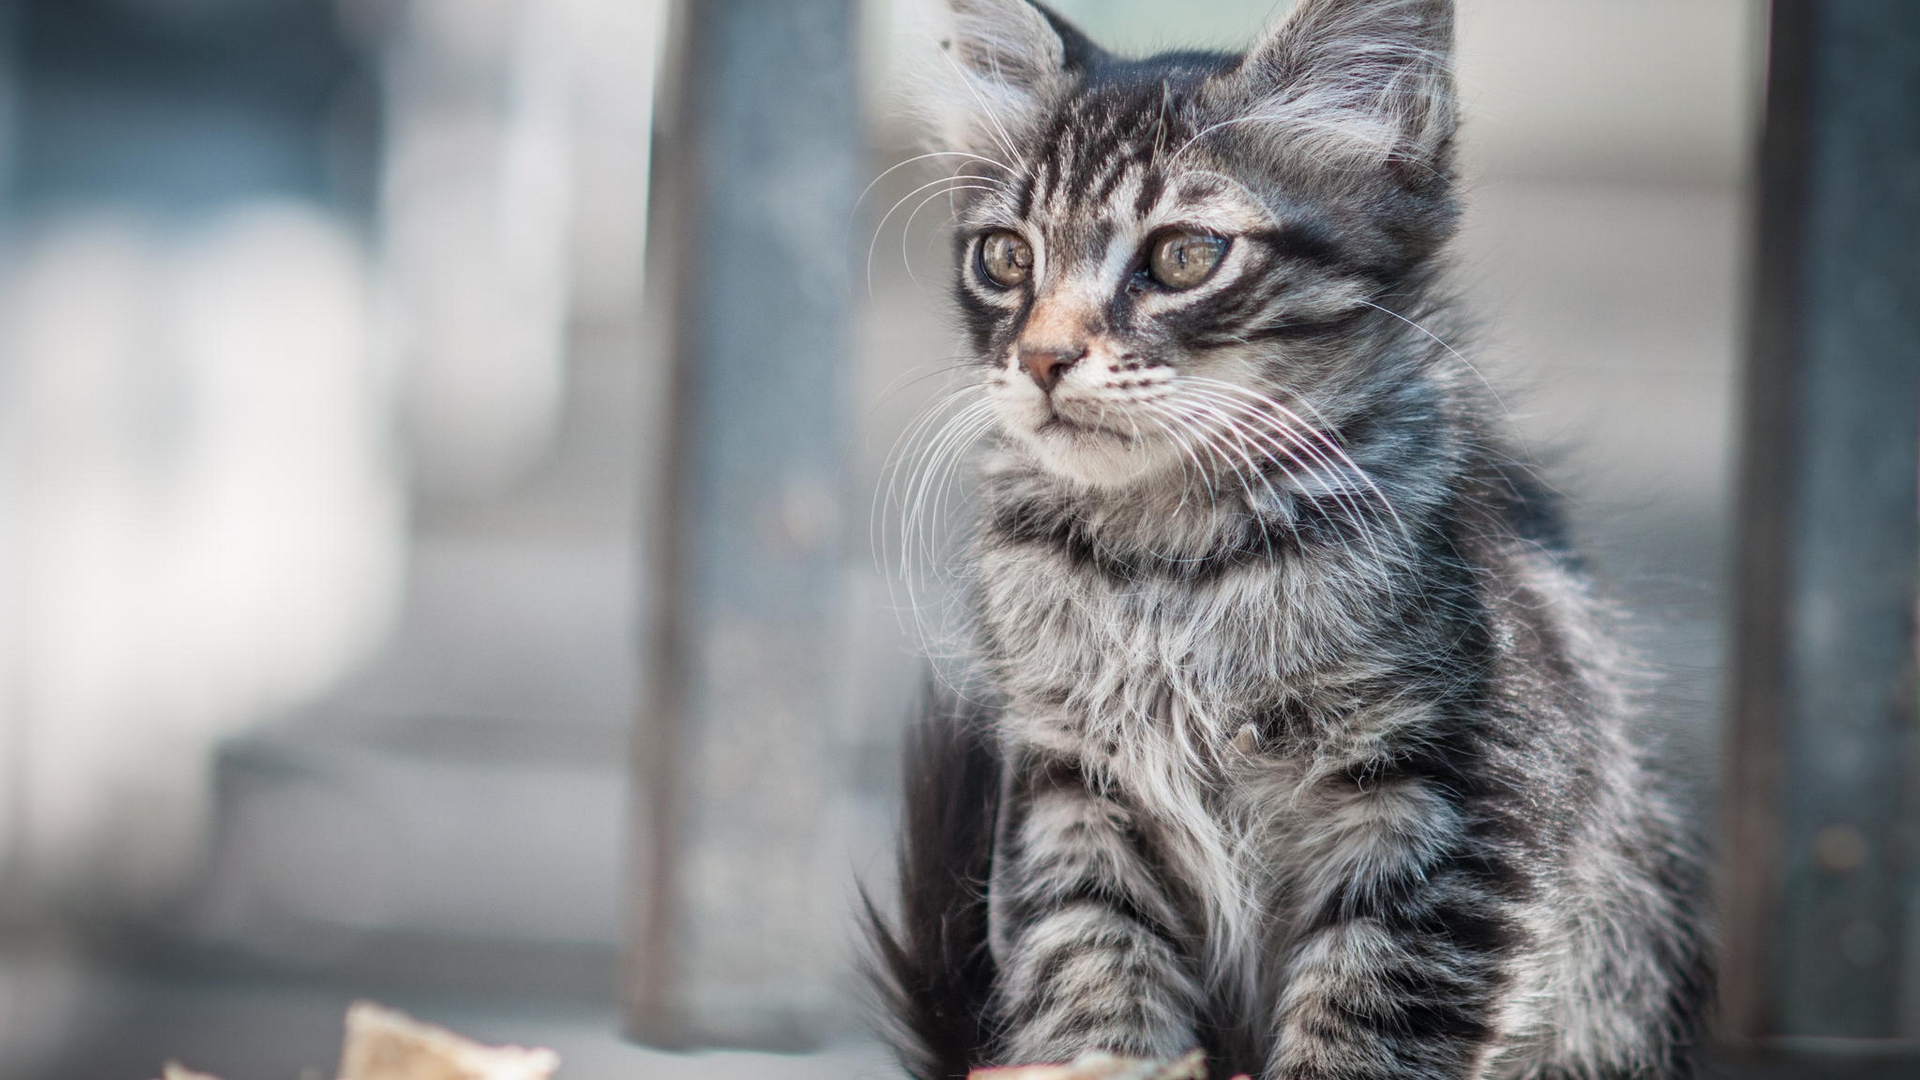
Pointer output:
x,y
931,968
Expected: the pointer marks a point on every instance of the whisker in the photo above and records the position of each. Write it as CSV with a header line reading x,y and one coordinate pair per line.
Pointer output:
x,y
880,226
891,169
1004,137
1318,430
901,462
1217,448
1273,429
919,533
1213,444
1318,437
943,366
1443,344
906,231
1340,495
1178,427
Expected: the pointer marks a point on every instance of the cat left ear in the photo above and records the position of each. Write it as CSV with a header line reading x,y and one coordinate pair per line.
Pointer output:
x,y
1004,65
1367,81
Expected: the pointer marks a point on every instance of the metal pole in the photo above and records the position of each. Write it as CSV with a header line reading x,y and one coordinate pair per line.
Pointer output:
x,y
738,933
1823,799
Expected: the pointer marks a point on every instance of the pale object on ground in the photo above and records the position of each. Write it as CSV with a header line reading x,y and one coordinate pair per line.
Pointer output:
x,y
385,1044
1189,1066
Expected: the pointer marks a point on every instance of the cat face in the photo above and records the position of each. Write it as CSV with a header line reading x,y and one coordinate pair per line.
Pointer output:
x,y
1159,260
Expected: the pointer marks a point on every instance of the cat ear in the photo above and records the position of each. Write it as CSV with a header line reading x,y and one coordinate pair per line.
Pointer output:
x,y
1003,65
1356,82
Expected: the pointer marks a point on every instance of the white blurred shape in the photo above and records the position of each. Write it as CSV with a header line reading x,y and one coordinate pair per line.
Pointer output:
x,y
613,54
477,206
514,202
208,524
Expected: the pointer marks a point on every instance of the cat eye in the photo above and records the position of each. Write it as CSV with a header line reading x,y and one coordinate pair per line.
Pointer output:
x,y
1006,259
1181,260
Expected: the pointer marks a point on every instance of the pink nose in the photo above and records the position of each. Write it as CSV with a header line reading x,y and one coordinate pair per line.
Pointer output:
x,y
1045,366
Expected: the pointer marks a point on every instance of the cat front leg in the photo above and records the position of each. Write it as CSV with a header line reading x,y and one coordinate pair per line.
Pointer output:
x,y
1093,952
1398,967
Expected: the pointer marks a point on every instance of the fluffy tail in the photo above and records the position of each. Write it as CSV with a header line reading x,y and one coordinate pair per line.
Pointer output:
x,y
932,969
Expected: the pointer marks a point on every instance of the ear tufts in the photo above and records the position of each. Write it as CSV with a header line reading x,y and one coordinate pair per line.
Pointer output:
x,y
1078,50
1005,41
1004,64
1357,82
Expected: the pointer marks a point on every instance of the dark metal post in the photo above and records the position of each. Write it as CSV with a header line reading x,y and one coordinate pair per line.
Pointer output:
x,y
1823,799
739,932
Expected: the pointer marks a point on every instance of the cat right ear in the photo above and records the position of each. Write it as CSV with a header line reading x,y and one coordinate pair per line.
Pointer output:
x,y
1365,80
1002,66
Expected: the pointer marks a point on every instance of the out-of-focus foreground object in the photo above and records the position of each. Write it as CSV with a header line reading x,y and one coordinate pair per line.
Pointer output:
x,y
386,1044
383,1044
1823,799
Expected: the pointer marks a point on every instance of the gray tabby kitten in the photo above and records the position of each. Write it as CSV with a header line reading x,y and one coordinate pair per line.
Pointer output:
x,y
1303,742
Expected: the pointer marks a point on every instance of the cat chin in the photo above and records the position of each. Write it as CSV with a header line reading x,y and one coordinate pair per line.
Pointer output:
x,y
1098,458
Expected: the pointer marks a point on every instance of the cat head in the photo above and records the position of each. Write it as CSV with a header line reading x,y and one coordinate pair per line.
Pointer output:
x,y
1173,263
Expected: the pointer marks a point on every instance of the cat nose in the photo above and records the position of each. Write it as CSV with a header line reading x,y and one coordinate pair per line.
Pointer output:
x,y
1045,366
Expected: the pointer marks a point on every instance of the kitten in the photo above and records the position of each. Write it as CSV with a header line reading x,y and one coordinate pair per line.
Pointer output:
x,y
1303,742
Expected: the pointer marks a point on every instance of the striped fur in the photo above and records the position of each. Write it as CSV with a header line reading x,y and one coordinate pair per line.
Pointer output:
x,y
1312,749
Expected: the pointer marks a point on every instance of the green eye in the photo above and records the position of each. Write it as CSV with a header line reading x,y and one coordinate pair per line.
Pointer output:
x,y
1006,259
1181,260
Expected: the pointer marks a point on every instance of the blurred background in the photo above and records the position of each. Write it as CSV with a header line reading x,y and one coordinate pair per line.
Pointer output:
x,y
338,469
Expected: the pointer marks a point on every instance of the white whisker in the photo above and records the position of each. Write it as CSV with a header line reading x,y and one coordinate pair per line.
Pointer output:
x,y
1443,344
1004,137
1271,428
1318,438
882,224
906,231
891,169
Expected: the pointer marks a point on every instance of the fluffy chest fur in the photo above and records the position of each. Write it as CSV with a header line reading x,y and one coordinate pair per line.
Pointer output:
x,y
1171,609
1218,679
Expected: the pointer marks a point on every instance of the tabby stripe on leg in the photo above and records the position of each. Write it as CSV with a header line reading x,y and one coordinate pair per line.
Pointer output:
x,y
1097,954
1366,1001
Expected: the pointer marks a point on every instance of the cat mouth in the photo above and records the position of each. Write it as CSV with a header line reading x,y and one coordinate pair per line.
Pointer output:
x,y
1057,424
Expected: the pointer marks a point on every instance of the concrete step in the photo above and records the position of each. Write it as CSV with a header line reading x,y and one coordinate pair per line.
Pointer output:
x,y
443,829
